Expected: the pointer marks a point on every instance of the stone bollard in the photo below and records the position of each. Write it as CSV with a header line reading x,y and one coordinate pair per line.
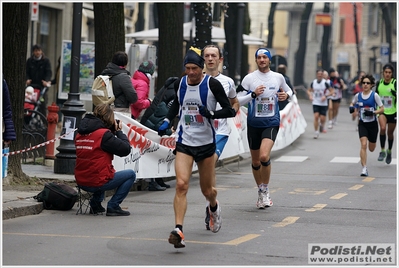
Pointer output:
x,y
52,120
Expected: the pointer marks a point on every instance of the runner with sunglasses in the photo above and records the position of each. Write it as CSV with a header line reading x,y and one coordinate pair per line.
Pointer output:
x,y
369,104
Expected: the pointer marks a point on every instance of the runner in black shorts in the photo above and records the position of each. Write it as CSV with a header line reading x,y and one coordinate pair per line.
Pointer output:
x,y
369,104
256,135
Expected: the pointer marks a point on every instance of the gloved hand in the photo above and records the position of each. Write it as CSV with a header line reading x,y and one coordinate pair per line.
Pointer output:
x,y
351,109
204,111
368,113
162,129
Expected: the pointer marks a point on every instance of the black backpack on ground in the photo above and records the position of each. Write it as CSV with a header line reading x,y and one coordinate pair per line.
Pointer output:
x,y
57,196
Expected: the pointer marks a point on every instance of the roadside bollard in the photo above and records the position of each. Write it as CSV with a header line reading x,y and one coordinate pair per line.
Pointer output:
x,y
52,120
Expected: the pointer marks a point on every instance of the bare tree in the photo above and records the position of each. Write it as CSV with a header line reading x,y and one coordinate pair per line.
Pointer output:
x,y
357,38
15,38
386,15
170,41
231,24
203,24
325,43
301,52
270,23
109,31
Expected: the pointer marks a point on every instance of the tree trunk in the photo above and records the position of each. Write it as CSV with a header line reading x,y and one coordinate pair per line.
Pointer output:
x,y
109,31
170,41
301,52
270,23
386,15
359,65
244,53
230,26
15,37
325,43
203,25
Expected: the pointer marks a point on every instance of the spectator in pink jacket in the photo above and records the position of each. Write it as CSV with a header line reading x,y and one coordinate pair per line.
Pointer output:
x,y
141,82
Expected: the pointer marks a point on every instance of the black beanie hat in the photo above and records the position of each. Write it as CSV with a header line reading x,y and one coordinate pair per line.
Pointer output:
x,y
193,57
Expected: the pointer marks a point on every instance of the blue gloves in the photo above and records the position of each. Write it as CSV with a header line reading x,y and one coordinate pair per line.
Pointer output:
x,y
205,112
351,109
162,129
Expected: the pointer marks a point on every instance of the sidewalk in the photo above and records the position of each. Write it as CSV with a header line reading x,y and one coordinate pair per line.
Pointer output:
x,y
21,203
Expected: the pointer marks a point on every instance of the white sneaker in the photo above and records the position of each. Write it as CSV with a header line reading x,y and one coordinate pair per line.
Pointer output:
x,y
215,220
330,124
365,173
335,122
316,135
264,200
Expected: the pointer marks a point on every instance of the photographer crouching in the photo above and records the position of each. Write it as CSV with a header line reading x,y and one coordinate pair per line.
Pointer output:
x,y
99,138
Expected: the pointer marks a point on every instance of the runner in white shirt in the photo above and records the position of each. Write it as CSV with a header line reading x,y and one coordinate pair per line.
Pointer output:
x,y
213,57
195,104
318,92
262,90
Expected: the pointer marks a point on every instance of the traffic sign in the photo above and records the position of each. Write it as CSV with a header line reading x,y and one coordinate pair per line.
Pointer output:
x,y
384,53
34,11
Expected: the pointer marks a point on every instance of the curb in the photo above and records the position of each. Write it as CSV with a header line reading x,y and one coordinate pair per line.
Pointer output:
x,y
24,207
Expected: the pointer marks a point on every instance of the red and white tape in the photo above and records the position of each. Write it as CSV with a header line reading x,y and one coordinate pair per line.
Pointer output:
x,y
40,145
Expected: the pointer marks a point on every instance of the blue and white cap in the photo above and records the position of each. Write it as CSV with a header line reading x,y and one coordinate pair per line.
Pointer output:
x,y
264,51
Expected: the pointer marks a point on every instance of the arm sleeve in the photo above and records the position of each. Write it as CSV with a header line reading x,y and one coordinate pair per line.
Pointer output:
x,y
142,101
118,145
174,108
377,99
284,85
9,133
128,89
221,97
48,71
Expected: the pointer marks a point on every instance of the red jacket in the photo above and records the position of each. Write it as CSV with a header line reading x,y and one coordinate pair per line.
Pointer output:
x,y
93,165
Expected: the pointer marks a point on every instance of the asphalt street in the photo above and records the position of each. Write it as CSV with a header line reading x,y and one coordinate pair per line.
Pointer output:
x,y
318,194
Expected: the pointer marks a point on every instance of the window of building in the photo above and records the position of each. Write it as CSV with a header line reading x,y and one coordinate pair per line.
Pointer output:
x,y
373,20
44,22
342,30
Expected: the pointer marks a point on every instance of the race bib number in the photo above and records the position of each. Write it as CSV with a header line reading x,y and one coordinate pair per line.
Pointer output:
x,y
265,106
387,101
192,116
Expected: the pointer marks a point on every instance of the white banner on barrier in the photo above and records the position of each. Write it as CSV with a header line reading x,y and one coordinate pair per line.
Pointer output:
x,y
152,156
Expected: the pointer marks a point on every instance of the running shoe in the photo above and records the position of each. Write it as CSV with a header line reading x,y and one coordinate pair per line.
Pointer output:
x,y
215,219
382,156
176,238
365,173
316,135
330,124
264,200
389,158
207,218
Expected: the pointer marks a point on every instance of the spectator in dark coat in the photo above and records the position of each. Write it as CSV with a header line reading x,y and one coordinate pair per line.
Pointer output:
x,y
38,69
166,94
124,92
38,75
283,69
153,118
7,124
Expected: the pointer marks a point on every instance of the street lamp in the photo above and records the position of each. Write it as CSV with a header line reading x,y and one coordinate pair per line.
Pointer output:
x,y
240,22
72,109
